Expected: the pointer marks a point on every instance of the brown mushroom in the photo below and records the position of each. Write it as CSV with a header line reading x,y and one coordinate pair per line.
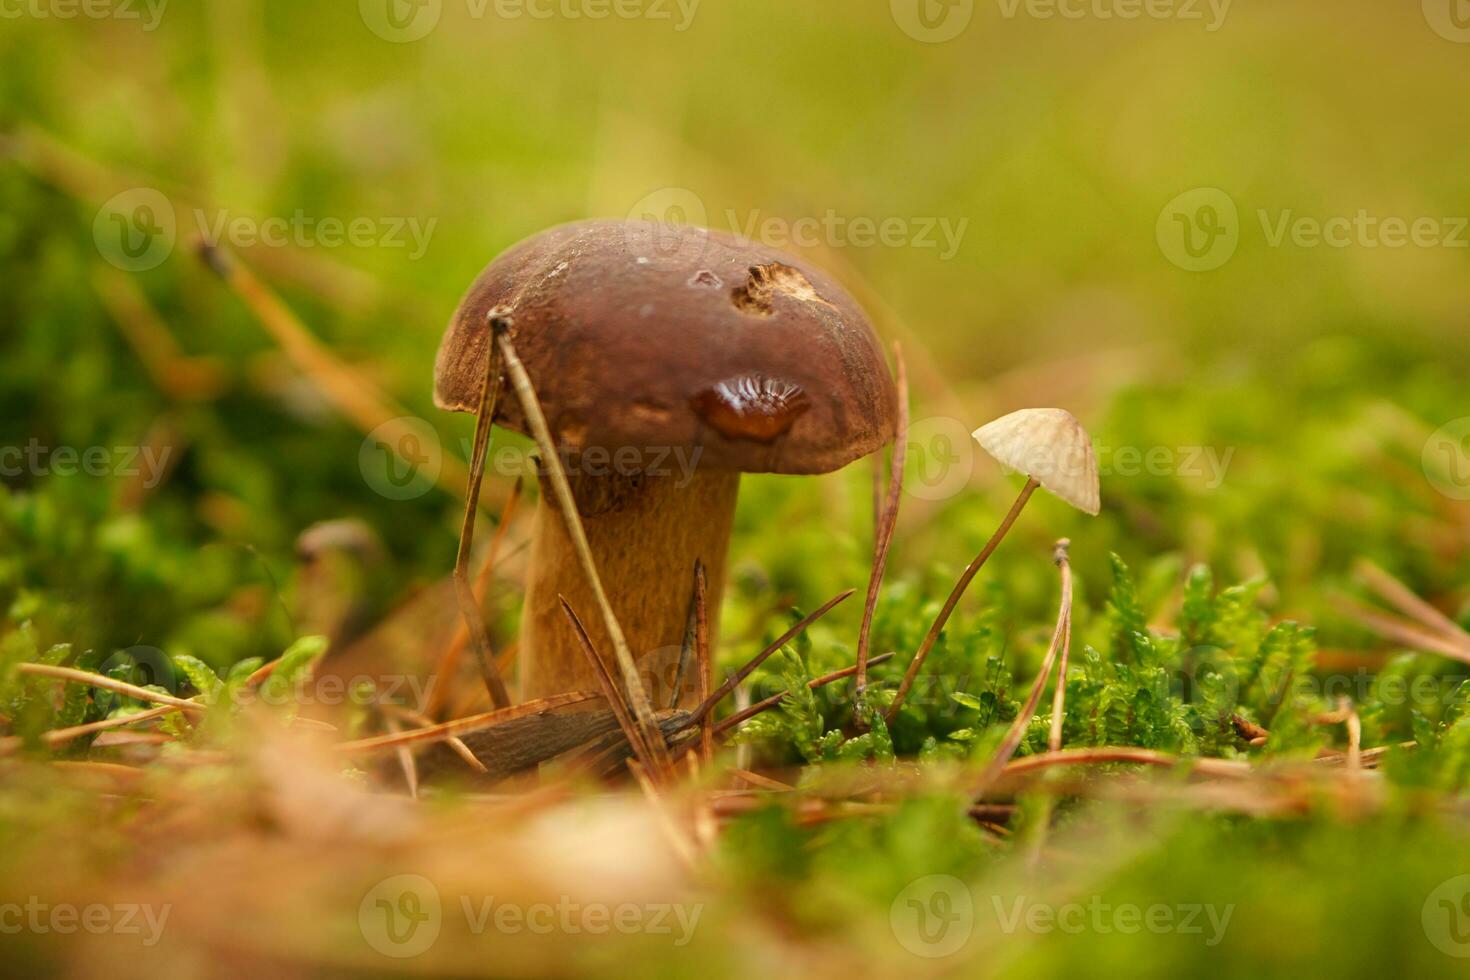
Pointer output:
x,y
664,374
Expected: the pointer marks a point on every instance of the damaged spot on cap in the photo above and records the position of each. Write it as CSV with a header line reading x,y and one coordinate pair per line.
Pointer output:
x,y
752,407
705,277
755,296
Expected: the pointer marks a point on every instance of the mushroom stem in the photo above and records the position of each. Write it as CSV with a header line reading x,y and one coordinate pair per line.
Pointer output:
x,y
956,592
645,533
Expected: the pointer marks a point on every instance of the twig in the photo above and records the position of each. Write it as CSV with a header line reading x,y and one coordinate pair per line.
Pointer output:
x,y
405,761
610,692
449,662
1017,730
730,682
1403,631
1104,754
464,726
747,713
638,701
469,606
455,743
955,594
354,395
1397,594
886,525
109,684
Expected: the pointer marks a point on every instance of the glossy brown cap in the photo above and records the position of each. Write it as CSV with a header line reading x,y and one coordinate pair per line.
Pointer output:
x,y
660,337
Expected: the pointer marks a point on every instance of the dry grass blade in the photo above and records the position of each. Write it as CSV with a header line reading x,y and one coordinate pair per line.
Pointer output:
x,y
1106,754
691,630
703,660
1017,730
107,683
885,528
1399,595
60,736
567,506
1059,698
405,761
465,726
354,395
448,664
954,597
1403,631
455,743
177,375
724,689
610,692
469,606
746,714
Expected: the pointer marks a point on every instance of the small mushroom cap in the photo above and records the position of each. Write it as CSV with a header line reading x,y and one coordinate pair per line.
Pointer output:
x,y
675,339
1050,446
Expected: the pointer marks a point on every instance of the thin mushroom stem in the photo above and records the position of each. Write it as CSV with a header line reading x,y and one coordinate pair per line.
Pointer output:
x,y
469,605
638,700
886,524
954,596
703,658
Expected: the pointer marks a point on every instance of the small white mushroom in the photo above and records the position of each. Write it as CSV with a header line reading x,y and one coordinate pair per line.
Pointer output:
x,y
1050,446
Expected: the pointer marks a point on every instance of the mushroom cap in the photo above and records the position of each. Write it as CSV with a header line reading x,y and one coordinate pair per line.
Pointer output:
x,y
661,338
1050,446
